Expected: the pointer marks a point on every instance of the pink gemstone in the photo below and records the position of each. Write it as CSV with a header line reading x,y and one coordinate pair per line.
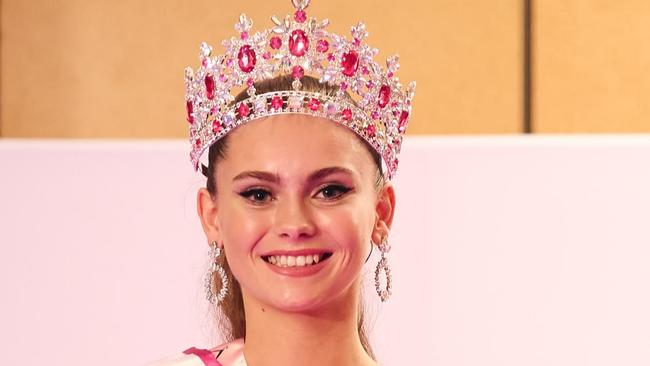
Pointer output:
x,y
357,42
349,63
347,114
384,96
275,43
370,129
246,58
266,55
314,104
403,119
209,86
250,82
390,74
298,43
322,46
374,115
204,62
244,35
297,72
197,143
365,70
243,110
331,57
222,78
343,86
190,108
276,102
300,16
216,126
370,84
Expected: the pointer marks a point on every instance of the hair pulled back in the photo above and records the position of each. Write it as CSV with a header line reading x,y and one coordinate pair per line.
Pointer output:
x,y
232,320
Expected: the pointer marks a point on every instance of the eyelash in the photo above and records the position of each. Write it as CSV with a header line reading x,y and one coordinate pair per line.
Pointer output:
x,y
248,193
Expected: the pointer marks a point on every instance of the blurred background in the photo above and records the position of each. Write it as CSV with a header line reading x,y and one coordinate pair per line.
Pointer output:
x,y
522,231
77,68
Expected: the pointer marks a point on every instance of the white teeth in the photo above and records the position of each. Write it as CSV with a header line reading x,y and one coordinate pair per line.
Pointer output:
x,y
294,261
300,261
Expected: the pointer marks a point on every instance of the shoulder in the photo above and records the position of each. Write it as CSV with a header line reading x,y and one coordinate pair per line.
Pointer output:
x,y
226,354
177,360
230,353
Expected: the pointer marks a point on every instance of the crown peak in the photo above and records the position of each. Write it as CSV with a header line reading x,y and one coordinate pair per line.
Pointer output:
x,y
369,99
300,4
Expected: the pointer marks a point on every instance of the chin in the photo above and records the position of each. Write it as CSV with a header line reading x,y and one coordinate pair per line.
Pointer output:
x,y
302,302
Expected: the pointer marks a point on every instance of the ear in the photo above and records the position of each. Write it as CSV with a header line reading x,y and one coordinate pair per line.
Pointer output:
x,y
384,210
206,207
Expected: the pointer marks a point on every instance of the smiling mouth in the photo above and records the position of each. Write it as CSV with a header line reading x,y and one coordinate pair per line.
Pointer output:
x,y
296,261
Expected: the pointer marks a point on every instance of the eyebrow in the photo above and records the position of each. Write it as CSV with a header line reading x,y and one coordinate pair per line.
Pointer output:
x,y
275,178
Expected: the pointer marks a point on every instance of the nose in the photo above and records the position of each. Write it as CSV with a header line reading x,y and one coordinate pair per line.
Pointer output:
x,y
294,219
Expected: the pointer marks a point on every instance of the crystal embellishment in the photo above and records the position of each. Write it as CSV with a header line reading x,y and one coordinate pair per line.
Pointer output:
x,y
367,97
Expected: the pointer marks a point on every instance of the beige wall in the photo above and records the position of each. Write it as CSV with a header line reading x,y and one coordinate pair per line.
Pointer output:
x,y
591,66
75,68
79,68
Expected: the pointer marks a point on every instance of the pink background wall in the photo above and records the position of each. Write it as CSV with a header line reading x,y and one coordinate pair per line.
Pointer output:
x,y
507,250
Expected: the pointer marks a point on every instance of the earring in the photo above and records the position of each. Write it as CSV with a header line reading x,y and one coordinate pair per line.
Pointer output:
x,y
210,295
384,248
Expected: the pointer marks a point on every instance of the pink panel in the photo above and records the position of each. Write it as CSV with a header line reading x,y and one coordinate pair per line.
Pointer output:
x,y
517,250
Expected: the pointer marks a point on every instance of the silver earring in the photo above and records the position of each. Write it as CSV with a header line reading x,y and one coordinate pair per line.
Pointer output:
x,y
210,295
385,293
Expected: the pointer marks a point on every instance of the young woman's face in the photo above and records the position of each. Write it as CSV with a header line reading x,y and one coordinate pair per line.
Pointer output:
x,y
294,190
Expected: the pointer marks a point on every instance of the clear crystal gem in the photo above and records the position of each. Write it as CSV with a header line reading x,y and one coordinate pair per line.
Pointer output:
x,y
295,102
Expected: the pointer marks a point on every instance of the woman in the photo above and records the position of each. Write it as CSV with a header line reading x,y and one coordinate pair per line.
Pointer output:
x,y
298,190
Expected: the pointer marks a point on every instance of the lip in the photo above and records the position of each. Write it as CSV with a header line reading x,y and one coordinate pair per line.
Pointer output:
x,y
295,253
297,271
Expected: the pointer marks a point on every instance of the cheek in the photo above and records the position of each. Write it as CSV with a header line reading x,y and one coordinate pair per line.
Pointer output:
x,y
350,227
241,230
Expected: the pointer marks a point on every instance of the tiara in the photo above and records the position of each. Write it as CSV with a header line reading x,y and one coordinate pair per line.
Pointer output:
x,y
369,99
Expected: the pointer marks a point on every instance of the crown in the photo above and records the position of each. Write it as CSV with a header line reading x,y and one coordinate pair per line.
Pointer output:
x,y
369,99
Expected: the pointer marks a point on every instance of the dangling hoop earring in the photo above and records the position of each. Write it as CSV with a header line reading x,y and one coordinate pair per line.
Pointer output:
x,y
215,299
385,293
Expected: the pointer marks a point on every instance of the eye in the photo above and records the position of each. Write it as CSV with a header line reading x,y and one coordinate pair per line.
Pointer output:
x,y
334,191
256,195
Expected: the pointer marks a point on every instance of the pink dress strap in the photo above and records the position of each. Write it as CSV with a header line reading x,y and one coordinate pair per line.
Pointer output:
x,y
206,356
227,354
231,353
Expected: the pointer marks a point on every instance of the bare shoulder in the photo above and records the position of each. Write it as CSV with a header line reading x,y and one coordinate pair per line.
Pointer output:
x,y
177,360
230,353
226,354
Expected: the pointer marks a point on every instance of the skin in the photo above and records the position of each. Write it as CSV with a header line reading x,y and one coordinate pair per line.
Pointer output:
x,y
310,320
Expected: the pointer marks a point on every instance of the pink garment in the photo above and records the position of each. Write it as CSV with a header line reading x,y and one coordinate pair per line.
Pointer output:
x,y
227,354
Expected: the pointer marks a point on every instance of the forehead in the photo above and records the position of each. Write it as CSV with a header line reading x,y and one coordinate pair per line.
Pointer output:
x,y
293,142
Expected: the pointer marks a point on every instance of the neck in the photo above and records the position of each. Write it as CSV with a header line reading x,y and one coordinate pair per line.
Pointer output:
x,y
327,336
